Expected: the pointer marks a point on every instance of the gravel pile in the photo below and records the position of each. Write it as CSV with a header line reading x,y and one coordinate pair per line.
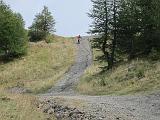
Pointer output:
x,y
62,112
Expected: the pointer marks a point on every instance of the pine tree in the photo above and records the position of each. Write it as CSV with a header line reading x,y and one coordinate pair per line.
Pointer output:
x,y
138,27
147,23
42,25
156,18
105,15
47,23
125,27
100,27
129,27
114,23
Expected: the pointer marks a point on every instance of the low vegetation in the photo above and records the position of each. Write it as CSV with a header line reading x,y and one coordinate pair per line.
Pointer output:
x,y
19,107
36,72
137,76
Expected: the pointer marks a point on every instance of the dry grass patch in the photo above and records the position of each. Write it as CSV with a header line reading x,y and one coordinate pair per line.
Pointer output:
x,y
19,107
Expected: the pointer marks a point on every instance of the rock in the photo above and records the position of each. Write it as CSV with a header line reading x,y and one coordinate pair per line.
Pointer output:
x,y
100,118
46,108
63,112
48,118
5,99
50,111
40,106
118,118
58,116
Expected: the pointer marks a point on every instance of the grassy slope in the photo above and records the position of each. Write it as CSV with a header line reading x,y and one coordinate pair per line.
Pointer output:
x,y
38,71
138,76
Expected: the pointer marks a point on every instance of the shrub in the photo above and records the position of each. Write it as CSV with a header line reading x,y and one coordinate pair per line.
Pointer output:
x,y
102,82
35,36
140,74
154,54
49,38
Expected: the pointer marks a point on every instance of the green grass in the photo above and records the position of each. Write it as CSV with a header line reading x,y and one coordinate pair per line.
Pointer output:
x,y
138,76
37,72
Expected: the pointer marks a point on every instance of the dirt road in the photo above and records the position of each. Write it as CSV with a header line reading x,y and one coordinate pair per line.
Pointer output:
x,y
66,85
65,103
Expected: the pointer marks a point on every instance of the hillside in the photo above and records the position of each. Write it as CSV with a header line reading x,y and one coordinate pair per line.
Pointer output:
x,y
137,76
34,73
64,102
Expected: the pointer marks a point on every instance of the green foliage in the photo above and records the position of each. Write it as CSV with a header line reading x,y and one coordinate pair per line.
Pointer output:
x,y
36,35
13,37
42,26
154,54
104,15
49,39
138,27
102,82
140,74
126,28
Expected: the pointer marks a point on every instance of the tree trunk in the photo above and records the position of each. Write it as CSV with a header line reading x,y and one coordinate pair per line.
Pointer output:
x,y
114,34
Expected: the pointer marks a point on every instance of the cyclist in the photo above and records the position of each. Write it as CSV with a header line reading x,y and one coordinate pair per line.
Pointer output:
x,y
78,39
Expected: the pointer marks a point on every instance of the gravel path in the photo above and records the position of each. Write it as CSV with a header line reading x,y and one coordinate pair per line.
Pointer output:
x,y
145,107
66,85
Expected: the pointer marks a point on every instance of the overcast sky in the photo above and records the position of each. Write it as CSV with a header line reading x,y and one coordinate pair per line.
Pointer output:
x,y
70,15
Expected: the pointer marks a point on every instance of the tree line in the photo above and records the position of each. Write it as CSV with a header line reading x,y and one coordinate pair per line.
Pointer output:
x,y
14,37
128,28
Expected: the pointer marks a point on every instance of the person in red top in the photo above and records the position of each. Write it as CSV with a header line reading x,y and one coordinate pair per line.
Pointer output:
x,y
78,38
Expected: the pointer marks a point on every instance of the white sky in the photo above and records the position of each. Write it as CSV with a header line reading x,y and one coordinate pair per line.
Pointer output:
x,y
70,15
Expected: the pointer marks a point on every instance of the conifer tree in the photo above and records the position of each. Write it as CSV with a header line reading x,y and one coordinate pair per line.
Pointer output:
x,y
42,25
104,15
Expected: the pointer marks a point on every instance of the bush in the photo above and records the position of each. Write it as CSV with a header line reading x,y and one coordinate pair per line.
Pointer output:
x,y
154,54
140,74
49,38
102,82
13,37
35,36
